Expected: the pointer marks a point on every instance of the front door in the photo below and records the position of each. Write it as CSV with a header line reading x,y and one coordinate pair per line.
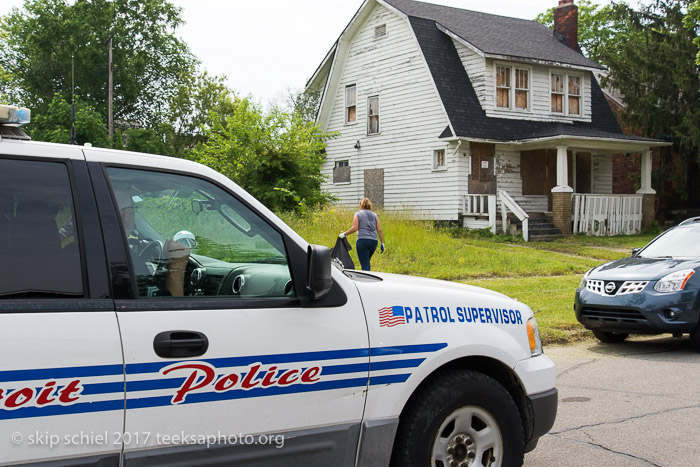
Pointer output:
x,y
482,179
223,364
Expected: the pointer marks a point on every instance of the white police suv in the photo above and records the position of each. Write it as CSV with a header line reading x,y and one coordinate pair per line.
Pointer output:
x,y
154,313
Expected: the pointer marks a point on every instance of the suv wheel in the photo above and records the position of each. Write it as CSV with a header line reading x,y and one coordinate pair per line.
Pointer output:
x,y
610,337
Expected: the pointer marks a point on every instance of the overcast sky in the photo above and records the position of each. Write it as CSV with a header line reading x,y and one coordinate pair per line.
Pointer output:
x,y
265,47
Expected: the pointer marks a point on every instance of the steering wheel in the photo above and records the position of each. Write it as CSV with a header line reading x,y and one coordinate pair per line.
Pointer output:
x,y
152,253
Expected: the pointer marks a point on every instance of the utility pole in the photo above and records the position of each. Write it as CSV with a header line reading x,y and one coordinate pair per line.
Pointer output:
x,y
110,122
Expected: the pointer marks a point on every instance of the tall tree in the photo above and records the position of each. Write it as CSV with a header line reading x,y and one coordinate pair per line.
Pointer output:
x,y
149,61
652,62
692,21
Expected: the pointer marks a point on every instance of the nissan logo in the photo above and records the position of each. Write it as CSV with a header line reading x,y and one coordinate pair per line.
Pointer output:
x,y
610,287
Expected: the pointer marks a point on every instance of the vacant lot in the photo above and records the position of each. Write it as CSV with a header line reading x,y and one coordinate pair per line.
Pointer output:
x,y
543,275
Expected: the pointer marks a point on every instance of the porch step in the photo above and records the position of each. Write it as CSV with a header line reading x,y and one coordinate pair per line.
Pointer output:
x,y
541,228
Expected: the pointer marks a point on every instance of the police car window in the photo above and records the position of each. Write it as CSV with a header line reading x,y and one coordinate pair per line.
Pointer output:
x,y
188,237
38,238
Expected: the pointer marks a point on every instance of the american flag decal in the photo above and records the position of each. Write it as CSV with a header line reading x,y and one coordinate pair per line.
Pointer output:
x,y
391,316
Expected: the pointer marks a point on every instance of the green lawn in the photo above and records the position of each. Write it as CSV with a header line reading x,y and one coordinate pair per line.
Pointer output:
x,y
544,275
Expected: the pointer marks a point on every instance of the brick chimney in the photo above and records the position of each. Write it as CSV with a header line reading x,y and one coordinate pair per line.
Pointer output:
x,y
566,22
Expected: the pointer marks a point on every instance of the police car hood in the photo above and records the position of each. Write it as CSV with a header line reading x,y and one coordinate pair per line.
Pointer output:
x,y
409,289
635,268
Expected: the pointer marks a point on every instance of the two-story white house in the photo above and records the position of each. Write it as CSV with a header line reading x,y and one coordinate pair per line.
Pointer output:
x,y
456,114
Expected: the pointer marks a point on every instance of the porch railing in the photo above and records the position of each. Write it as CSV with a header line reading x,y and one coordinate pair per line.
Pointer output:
x,y
481,206
607,214
509,204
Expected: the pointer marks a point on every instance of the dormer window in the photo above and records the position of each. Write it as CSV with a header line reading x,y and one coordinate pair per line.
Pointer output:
x,y
566,94
512,97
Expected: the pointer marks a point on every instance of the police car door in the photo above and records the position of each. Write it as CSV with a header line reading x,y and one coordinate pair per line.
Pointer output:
x,y
223,363
61,366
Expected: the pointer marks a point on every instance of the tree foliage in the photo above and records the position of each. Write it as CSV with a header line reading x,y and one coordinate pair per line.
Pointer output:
x,y
652,63
149,61
275,156
692,21
55,122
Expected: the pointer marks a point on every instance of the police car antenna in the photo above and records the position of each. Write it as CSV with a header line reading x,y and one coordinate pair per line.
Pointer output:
x,y
72,110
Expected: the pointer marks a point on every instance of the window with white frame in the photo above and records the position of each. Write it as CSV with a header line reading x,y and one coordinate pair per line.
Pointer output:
x,y
566,94
512,88
373,115
439,162
503,87
574,95
341,171
351,103
522,89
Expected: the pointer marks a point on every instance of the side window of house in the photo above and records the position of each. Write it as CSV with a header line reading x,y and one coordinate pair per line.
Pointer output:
x,y
38,234
350,103
373,115
188,237
341,171
439,159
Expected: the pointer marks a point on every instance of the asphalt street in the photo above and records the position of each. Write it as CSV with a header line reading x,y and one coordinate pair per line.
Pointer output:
x,y
630,404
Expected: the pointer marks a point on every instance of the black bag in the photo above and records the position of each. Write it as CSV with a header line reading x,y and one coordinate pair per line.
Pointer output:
x,y
340,255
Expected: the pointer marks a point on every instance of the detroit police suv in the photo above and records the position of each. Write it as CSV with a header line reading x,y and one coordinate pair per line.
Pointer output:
x,y
152,312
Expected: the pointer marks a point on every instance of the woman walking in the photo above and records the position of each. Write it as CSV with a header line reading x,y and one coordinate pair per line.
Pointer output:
x,y
367,225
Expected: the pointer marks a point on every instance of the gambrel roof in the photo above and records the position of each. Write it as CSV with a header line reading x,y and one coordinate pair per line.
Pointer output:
x,y
497,37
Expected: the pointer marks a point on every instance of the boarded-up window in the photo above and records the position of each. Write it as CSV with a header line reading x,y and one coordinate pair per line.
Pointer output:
x,y
574,95
557,93
522,88
351,103
341,172
373,115
503,87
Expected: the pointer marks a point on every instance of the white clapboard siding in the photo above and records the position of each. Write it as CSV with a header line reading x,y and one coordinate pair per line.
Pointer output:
x,y
411,119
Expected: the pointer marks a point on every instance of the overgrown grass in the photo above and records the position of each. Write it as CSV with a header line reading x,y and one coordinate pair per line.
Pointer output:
x,y
544,275
419,248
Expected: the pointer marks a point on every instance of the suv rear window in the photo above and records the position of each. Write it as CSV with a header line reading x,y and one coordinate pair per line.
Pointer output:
x,y
37,230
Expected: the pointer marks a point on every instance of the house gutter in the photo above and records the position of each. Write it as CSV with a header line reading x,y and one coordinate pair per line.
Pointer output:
x,y
584,142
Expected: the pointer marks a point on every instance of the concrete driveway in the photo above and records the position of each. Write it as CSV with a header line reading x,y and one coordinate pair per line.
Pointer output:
x,y
630,404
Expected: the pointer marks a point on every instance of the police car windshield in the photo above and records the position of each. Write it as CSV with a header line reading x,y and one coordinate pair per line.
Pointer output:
x,y
683,242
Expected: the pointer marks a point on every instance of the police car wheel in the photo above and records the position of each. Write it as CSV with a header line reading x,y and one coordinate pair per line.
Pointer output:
x,y
610,337
460,418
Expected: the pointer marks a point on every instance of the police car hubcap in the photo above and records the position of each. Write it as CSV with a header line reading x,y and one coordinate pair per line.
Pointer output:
x,y
469,436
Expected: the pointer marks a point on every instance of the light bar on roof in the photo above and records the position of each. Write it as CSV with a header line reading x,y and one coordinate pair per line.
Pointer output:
x,y
12,115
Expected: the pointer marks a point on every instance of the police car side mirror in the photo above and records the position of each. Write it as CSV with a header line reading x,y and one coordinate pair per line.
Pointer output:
x,y
319,280
635,251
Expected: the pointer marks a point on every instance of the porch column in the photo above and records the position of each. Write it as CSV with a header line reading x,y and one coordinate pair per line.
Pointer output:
x,y
647,192
561,194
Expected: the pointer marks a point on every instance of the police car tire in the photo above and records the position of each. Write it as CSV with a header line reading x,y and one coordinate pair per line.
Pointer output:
x,y
445,393
610,337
